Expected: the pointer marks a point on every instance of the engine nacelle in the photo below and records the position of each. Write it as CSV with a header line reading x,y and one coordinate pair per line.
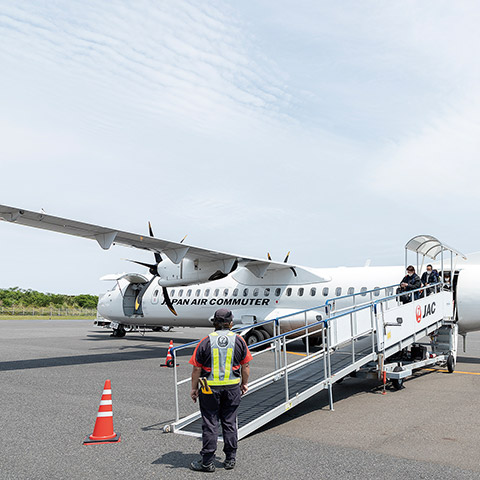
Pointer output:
x,y
468,293
191,272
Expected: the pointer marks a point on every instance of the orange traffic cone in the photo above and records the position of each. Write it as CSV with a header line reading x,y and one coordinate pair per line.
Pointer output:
x,y
169,359
103,431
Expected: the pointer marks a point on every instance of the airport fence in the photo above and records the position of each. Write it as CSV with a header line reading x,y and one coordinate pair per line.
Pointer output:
x,y
47,312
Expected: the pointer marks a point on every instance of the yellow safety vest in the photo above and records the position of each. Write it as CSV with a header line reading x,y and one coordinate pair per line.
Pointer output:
x,y
222,344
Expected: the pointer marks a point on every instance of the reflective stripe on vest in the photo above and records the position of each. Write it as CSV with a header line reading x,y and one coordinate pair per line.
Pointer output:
x,y
222,344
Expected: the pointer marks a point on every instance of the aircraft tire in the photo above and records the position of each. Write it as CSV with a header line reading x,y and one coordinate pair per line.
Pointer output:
x,y
254,336
165,329
119,332
450,364
397,383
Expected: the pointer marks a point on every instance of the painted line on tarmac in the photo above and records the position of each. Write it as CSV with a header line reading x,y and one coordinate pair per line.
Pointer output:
x,y
296,353
446,371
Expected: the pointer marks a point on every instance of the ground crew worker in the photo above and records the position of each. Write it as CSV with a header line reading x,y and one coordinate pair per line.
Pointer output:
x,y
221,366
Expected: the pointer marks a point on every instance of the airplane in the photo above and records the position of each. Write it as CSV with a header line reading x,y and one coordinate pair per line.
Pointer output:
x,y
185,284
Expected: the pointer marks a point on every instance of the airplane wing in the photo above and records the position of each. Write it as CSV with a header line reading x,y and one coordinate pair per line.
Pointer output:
x,y
106,237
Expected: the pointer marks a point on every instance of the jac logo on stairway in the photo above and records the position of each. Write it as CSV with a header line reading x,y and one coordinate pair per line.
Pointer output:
x,y
428,310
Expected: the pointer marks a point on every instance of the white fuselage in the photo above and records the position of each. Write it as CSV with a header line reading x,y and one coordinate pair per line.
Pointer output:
x,y
278,293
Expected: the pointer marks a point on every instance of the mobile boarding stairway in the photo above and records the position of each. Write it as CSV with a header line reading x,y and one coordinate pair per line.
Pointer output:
x,y
370,337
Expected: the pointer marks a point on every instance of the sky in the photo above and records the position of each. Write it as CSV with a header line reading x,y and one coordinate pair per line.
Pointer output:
x,y
336,130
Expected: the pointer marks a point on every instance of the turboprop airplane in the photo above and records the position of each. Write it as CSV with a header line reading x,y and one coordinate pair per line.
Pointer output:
x,y
186,284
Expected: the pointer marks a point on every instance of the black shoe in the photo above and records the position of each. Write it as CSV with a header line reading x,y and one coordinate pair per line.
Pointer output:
x,y
229,464
198,466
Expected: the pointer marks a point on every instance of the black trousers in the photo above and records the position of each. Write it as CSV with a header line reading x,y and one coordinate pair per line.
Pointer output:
x,y
220,405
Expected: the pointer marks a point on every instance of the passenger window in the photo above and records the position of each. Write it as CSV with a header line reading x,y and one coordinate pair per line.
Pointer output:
x,y
288,292
180,293
377,291
350,291
189,293
197,293
300,291
313,291
216,292
225,292
235,292
255,292
363,291
266,292
338,291
325,292
245,292
278,291
207,292
172,293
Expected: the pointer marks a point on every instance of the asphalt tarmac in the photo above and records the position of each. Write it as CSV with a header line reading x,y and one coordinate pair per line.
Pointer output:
x,y
52,375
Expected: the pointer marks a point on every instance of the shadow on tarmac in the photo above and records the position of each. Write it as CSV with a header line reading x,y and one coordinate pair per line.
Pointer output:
x,y
341,391
176,459
474,360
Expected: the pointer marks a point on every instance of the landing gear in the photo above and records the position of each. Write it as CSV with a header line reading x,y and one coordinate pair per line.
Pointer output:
x,y
161,329
118,332
256,335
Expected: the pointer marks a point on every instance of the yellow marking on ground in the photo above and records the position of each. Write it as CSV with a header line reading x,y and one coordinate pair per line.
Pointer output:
x,y
296,353
446,371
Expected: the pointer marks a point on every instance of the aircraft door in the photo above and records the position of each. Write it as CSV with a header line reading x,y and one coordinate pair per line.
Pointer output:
x,y
132,299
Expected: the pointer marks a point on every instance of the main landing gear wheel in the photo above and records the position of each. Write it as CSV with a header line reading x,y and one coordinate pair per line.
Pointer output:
x,y
165,329
118,332
450,364
397,382
255,336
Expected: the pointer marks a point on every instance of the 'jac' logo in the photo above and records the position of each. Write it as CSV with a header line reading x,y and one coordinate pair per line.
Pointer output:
x,y
428,310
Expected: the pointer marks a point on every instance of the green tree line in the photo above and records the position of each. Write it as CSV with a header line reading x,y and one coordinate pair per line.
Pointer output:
x,y
16,296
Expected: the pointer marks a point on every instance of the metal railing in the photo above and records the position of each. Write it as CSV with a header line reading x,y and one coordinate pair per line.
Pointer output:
x,y
362,321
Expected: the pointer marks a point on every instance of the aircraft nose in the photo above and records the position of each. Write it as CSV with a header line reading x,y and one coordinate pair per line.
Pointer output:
x,y
103,306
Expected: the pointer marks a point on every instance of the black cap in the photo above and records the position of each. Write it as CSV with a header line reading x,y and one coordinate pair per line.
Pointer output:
x,y
223,315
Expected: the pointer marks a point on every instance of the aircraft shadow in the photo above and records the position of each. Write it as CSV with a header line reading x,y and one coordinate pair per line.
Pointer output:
x,y
348,388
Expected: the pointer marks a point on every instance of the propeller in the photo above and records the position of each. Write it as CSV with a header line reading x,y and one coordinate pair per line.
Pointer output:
x,y
153,269
284,261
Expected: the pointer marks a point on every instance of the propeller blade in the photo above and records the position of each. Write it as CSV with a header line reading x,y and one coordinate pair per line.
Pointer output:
x,y
148,265
268,256
286,258
158,257
168,302
181,241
